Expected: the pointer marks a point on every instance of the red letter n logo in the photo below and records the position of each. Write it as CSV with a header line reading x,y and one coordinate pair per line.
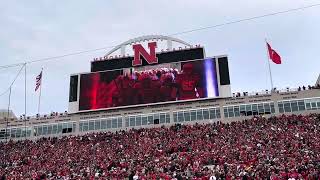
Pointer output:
x,y
151,57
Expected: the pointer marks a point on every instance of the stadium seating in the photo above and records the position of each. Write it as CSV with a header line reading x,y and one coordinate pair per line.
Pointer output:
x,y
276,148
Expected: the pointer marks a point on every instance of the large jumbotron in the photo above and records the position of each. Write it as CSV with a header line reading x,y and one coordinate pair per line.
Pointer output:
x,y
154,81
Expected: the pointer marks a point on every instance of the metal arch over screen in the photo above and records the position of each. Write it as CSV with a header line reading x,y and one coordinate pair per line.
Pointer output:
x,y
147,38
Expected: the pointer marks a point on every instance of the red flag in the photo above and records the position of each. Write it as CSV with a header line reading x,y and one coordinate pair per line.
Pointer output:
x,y
38,81
273,55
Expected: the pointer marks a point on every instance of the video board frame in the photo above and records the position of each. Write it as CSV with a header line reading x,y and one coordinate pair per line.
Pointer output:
x,y
213,59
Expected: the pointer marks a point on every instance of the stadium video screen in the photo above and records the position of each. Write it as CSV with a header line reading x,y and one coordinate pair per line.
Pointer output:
x,y
148,84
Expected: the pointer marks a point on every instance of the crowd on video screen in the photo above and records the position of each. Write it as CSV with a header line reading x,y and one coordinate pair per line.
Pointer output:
x,y
112,89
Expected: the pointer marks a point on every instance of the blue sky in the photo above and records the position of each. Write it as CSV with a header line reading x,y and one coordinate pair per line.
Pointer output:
x,y
38,29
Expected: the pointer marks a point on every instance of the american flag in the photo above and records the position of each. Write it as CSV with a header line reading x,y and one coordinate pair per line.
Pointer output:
x,y
38,81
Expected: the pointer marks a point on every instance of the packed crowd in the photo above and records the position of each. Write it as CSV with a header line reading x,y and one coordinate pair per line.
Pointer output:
x,y
281,147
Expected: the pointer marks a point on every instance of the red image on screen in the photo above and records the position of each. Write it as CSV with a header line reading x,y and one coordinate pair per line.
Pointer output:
x,y
108,89
97,89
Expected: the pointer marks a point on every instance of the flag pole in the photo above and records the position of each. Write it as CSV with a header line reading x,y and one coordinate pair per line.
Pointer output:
x,y
40,91
8,115
25,100
268,59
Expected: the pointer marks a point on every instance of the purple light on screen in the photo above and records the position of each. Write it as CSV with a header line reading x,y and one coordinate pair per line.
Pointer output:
x,y
211,80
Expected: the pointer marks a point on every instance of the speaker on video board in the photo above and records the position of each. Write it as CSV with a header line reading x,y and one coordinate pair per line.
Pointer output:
x,y
224,71
224,77
73,91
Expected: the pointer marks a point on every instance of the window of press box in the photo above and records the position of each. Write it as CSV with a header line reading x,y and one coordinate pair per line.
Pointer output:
x,y
100,124
18,132
196,115
147,119
52,129
299,105
249,110
312,104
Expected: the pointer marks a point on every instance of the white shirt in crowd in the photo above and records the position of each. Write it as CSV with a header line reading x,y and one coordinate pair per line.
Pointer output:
x,y
135,177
